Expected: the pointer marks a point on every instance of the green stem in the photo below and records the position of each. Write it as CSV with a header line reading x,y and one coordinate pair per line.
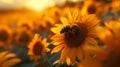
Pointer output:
x,y
46,58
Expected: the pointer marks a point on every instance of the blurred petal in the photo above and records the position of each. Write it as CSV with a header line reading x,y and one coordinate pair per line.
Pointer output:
x,y
57,49
11,62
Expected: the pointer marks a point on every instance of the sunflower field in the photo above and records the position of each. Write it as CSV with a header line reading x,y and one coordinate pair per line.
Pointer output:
x,y
59,33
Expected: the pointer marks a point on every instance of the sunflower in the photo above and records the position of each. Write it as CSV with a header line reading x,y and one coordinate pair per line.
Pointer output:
x,y
23,36
5,35
92,7
23,23
110,35
109,5
44,24
55,12
76,36
47,21
37,48
8,59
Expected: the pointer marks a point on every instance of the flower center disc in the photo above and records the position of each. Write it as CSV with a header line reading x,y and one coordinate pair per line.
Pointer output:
x,y
3,35
24,37
91,9
37,49
75,35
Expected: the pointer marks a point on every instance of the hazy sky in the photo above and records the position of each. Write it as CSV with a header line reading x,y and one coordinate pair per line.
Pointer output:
x,y
34,4
11,3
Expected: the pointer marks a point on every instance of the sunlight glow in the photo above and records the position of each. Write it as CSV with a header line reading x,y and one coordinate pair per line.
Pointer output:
x,y
39,4
7,1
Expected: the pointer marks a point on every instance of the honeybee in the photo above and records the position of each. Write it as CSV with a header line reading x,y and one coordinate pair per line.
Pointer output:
x,y
70,29
65,29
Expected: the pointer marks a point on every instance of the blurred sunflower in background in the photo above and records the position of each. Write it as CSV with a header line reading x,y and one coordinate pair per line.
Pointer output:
x,y
55,12
5,35
8,59
37,48
109,5
76,37
22,36
110,36
43,24
92,7
46,22
25,24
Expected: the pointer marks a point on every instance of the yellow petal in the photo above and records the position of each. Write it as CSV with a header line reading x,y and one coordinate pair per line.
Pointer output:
x,y
47,49
44,41
68,60
57,36
63,54
69,15
56,49
72,54
64,20
91,20
56,30
84,11
75,14
59,25
56,43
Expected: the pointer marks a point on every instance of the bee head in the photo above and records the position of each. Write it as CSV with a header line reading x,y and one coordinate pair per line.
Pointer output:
x,y
65,29
71,29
